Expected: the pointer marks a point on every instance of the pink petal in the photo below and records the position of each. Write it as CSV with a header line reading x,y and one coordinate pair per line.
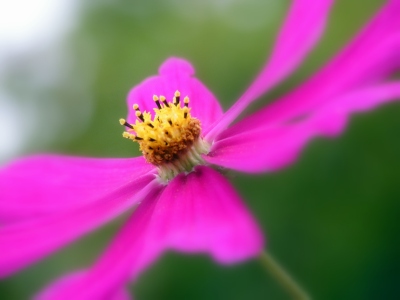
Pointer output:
x,y
270,147
197,212
126,256
201,212
23,243
51,292
371,57
302,28
175,74
45,184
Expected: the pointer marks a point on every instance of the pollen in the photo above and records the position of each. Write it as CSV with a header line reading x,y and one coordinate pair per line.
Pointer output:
x,y
171,137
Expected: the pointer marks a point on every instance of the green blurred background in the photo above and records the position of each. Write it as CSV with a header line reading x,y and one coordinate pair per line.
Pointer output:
x,y
331,218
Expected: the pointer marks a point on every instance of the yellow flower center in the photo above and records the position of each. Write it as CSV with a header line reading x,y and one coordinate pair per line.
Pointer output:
x,y
171,140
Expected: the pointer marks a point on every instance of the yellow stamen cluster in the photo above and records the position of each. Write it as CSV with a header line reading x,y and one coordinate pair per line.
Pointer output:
x,y
169,135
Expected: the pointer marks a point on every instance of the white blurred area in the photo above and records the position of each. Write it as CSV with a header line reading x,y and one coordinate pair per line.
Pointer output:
x,y
36,60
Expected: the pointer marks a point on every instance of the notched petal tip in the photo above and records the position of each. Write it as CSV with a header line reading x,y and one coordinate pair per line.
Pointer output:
x,y
176,65
201,219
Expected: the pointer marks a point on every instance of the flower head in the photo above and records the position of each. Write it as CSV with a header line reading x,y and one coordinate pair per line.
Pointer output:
x,y
185,203
171,140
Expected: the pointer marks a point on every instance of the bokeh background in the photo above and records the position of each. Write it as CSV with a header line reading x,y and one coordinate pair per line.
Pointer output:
x,y
331,218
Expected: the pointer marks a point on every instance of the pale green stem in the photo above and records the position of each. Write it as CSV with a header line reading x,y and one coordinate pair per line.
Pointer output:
x,y
283,277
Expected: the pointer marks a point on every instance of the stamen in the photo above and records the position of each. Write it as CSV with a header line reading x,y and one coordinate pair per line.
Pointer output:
x,y
186,101
139,114
127,135
168,139
164,101
155,98
125,123
177,97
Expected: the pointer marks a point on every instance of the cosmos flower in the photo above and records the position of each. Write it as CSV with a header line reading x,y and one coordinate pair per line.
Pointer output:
x,y
181,200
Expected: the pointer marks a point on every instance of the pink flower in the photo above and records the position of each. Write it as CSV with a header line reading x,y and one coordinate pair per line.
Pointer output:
x,y
184,203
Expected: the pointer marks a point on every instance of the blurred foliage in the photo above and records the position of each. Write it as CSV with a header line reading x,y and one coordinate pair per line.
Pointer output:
x,y
331,218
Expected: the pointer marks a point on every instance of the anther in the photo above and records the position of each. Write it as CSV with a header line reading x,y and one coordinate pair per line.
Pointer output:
x,y
170,122
139,115
151,125
164,101
155,98
152,140
126,135
125,123
138,138
136,107
185,112
186,101
177,97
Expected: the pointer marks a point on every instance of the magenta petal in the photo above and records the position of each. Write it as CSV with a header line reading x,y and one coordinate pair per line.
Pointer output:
x,y
175,74
265,147
201,212
126,256
302,28
197,212
40,185
52,292
25,242
371,57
